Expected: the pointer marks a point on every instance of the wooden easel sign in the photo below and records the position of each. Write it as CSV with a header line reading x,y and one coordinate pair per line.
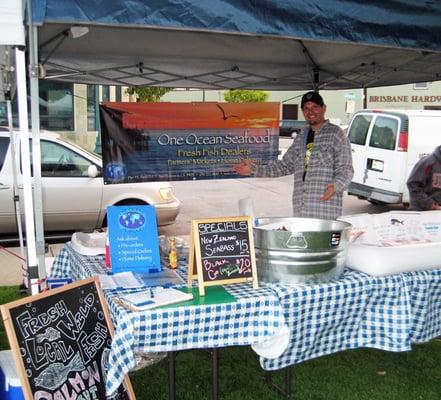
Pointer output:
x,y
60,342
222,252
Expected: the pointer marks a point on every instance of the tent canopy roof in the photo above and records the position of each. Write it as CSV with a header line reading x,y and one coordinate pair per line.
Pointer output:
x,y
227,44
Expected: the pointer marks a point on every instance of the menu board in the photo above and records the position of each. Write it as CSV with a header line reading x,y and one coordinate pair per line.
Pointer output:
x,y
222,252
60,341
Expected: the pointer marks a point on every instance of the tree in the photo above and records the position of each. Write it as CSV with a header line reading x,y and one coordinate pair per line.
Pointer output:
x,y
148,93
245,96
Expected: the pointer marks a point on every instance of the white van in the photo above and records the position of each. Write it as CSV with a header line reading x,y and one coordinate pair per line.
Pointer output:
x,y
386,144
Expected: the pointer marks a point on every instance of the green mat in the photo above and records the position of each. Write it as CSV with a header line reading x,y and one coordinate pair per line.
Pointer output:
x,y
213,295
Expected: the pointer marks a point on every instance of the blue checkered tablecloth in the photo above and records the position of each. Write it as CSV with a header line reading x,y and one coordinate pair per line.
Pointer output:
x,y
389,313
255,316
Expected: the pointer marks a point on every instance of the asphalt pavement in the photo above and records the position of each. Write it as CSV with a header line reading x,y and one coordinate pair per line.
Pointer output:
x,y
270,197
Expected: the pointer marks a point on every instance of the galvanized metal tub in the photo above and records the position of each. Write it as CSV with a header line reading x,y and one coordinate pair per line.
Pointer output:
x,y
300,250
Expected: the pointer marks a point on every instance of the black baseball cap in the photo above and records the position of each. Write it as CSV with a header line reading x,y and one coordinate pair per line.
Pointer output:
x,y
314,97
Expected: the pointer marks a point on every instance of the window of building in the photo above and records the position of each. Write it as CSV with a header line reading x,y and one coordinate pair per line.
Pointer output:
x,y
56,106
3,114
290,111
105,93
420,86
118,96
92,107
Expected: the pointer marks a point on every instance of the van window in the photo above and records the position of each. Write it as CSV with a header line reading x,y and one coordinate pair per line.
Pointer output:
x,y
384,133
4,144
359,129
59,161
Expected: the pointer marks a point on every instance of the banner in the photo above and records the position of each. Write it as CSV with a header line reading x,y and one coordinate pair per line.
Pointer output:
x,y
144,142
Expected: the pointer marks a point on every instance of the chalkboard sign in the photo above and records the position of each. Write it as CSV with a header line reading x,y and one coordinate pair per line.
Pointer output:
x,y
222,252
60,340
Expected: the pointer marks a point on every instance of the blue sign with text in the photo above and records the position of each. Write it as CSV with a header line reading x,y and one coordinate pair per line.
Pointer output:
x,y
133,239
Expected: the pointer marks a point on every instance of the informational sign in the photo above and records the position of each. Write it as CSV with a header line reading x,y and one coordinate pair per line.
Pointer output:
x,y
222,252
60,341
144,142
133,239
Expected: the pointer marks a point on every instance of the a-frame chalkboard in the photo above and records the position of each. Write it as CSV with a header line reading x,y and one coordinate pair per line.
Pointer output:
x,y
222,252
60,341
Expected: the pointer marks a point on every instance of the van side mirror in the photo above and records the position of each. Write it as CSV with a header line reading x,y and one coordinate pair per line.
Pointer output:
x,y
92,171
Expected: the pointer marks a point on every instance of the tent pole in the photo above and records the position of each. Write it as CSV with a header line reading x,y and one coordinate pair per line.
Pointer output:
x,y
32,266
14,179
36,152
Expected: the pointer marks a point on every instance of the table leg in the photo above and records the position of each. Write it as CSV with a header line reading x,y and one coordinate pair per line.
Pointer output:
x,y
172,375
287,390
288,383
215,373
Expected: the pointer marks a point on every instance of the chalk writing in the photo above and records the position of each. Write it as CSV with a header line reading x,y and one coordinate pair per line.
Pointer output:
x,y
63,343
225,250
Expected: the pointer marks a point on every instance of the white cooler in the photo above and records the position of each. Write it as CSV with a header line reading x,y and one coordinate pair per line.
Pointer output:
x,y
394,242
10,386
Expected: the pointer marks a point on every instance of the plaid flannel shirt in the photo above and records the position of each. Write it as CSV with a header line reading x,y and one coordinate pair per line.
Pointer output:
x,y
330,162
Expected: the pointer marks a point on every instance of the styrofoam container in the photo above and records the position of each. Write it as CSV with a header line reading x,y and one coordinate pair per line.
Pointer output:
x,y
10,386
89,244
394,242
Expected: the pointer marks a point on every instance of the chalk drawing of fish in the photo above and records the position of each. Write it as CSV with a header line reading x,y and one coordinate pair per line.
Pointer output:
x,y
54,375
395,221
50,335
105,360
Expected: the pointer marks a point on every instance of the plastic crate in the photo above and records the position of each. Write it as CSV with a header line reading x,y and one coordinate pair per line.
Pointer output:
x,y
53,283
10,386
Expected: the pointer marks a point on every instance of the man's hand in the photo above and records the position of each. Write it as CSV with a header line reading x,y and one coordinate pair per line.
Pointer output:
x,y
328,193
435,206
244,168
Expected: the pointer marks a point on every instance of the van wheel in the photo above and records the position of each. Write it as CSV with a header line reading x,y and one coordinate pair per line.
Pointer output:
x,y
128,202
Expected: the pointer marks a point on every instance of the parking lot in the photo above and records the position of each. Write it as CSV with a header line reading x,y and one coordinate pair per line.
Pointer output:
x,y
271,197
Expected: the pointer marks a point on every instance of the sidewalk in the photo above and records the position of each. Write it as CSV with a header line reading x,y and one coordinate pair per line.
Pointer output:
x,y
11,263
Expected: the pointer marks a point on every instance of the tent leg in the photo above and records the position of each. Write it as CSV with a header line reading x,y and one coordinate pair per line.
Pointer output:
x,y
14,178
36,152
26,164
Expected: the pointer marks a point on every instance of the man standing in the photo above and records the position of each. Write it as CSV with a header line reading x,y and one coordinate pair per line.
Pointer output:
x,y
320,161
424,183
